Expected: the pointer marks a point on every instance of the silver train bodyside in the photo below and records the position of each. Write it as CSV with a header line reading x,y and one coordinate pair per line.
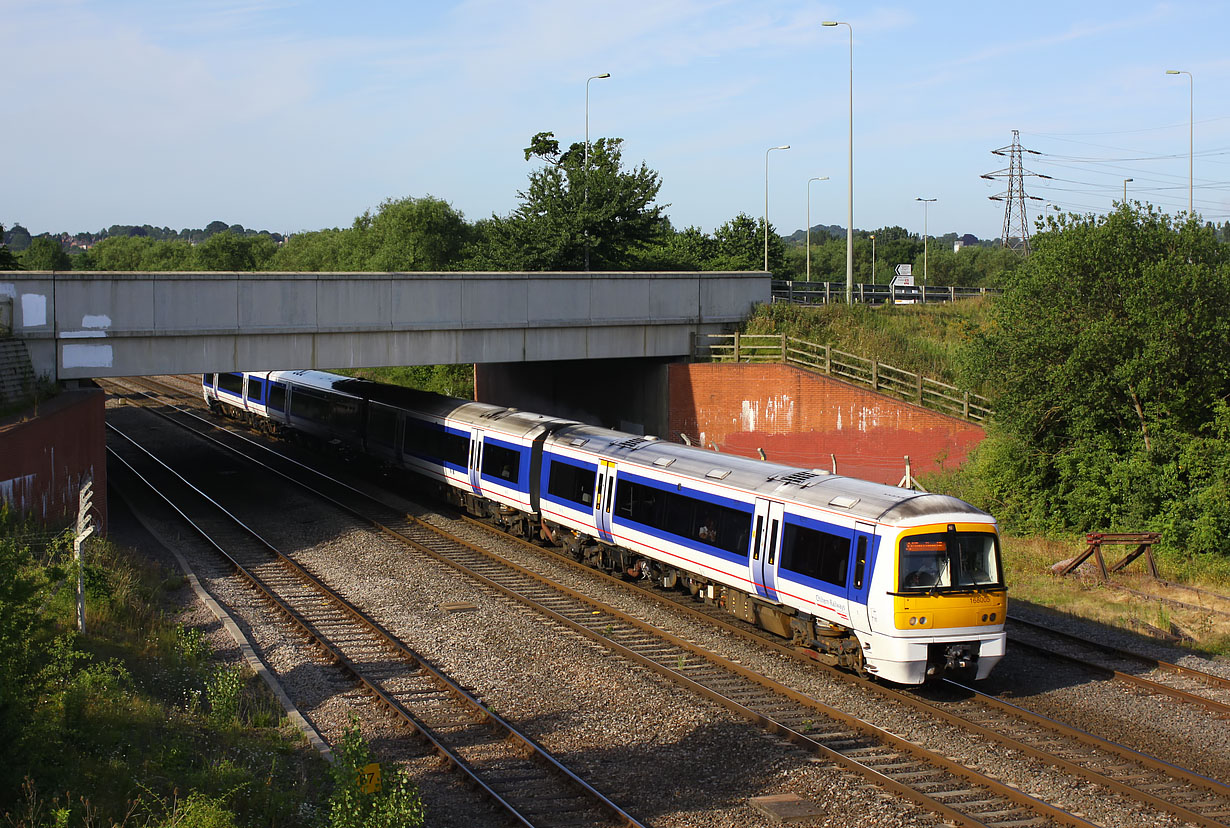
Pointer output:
x,y
834,563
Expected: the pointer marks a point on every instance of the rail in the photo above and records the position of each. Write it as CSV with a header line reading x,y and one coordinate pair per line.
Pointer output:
x,y
825,359
823,293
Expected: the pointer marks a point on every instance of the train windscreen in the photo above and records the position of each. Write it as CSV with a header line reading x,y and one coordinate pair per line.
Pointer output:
x,y
952,559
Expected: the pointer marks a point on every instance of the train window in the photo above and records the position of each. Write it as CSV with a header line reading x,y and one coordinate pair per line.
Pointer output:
x,y
501,461
254,389
231,382
277,396
816,554
207,379
570,482
382,425
686,517
434,443
860,563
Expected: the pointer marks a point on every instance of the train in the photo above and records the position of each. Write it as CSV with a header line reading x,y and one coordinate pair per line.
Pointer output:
x,y
888,582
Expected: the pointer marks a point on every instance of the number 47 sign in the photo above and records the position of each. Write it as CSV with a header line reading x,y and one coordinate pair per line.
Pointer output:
x,y
369,778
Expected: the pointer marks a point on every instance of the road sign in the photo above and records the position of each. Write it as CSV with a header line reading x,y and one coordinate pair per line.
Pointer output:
x,y
904,270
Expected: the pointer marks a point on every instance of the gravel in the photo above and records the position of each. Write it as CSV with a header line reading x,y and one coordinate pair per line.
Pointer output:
x,y
666,756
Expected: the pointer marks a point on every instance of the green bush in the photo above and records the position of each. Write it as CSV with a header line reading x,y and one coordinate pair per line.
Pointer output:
x,y
395,805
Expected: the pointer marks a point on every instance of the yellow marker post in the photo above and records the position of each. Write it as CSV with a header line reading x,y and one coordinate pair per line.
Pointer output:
x,y
369,778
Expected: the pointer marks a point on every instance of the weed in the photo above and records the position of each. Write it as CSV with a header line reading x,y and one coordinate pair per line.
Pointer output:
x,y
394,804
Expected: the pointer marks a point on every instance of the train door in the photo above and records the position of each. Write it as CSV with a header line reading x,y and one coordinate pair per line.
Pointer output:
x,y
476,460
766,547
860,574
604,497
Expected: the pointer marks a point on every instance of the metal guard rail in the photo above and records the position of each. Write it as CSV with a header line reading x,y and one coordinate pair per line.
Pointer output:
x,y
823,293
825,359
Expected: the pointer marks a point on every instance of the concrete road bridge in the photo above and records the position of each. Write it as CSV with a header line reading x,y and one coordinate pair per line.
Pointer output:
x,y
79,325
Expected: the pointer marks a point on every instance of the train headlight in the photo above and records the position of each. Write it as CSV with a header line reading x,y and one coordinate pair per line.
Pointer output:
x,y
913,621
984,618
992,616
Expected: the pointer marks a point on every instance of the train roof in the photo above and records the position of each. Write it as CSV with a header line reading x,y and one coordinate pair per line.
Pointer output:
x,y
860,499
482,415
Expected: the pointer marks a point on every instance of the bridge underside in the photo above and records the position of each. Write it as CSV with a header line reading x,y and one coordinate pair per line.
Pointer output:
x,y
630,395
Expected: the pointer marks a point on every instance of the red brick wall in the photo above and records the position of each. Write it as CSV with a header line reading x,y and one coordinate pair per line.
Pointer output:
x,y
45,456
800,418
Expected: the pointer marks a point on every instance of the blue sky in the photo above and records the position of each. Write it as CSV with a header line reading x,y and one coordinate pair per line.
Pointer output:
x,y
293,116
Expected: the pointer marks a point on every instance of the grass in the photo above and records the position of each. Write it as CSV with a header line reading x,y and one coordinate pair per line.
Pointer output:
x,y
1028,566
136,723
924,339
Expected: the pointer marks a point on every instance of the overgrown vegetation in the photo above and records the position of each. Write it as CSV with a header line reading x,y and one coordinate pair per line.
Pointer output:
x,y
133,724
450,380
1106,362
926,339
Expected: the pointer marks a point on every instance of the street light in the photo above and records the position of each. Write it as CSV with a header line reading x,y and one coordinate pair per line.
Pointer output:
x,y
766,202
809,181
850,191
1125,183
926,202
585,174
873,258
1191,127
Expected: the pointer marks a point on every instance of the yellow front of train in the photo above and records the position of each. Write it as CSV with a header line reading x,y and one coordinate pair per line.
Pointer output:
x,y
943,607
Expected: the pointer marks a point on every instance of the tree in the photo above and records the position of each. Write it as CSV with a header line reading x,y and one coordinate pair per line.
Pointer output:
x,y
571,208
410,234
17,238
739,245
7,260
1108,353
320,251
46,253
227,251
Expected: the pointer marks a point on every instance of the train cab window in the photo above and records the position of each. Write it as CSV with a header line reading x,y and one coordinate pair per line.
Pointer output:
x,y
277,396
501,462
939,560
255,386
571,482
816,554
231,382
207,379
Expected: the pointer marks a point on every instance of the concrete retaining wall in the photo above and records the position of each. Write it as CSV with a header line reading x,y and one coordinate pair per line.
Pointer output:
x,y
801,418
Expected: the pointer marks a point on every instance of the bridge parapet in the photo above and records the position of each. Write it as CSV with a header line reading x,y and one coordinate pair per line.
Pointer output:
x,y
91,324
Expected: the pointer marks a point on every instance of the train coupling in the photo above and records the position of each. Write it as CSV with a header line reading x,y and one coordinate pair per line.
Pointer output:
x,y
954,658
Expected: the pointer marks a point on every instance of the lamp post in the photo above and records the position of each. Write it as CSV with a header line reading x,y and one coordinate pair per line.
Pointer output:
x,y
1191,126
809,181
926,202
1125,183
850,189
766,202
873,258
585,172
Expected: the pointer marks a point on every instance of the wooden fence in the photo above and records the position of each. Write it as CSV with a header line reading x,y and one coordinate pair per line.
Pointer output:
x,y
825,359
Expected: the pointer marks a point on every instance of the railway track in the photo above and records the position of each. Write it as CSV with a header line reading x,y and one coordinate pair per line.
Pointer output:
x,y
944,786
506,765
1183,683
